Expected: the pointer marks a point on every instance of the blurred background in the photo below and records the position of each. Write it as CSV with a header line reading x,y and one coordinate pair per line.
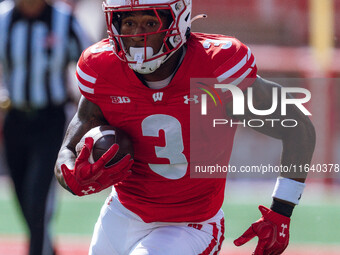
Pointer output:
x,y
295,42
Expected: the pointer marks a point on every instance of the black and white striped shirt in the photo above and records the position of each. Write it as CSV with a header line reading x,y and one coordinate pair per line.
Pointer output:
x,y
35,53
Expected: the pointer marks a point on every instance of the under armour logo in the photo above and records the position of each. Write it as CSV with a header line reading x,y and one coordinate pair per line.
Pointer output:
x,y
284,226
157,96
193,99
86,192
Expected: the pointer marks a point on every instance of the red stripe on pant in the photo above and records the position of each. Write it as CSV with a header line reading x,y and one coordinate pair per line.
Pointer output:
x,y
213,242
221,237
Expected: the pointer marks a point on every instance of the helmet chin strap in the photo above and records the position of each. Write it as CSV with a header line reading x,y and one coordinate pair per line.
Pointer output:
x,y
137,54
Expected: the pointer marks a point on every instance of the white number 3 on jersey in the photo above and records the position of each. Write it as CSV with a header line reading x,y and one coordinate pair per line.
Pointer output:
x,y
173,149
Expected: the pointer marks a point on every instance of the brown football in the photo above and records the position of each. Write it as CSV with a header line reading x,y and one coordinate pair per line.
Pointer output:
x,y
104,137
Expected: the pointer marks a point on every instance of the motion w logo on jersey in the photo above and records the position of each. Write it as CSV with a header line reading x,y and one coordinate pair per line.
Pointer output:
x,y
158,96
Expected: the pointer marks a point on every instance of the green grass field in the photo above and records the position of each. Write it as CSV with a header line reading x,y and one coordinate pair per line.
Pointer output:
x,y
316,221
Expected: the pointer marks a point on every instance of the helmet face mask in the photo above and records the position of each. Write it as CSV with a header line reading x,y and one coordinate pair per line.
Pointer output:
x,y
143,60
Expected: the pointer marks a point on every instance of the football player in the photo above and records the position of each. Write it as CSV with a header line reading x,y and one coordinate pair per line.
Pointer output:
x,y
139,81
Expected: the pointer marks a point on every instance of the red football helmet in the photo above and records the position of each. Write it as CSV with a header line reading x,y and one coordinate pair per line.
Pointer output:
x,y
143,60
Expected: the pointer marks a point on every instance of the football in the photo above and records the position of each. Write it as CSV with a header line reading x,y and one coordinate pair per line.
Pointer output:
x,y
103,138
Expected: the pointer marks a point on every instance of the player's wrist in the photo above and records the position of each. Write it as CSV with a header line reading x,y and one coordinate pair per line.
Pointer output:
x,y
273,216
282,208
288,190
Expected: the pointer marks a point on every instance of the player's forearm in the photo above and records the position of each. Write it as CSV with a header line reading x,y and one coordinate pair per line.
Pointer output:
x,y
298,142
298,148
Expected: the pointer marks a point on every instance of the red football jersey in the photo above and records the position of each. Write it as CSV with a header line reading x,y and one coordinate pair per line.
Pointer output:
x,y
158,122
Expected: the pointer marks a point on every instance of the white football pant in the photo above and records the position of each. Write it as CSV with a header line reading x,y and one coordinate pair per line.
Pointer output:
x,y
119,231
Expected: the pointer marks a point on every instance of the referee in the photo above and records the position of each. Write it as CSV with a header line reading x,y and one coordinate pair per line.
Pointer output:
x,y
37,42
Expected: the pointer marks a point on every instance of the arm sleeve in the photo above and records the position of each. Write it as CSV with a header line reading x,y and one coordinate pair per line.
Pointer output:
x,y
86,79
240,69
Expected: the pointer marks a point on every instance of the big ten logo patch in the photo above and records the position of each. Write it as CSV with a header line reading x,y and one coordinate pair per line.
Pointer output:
x,y
120,100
